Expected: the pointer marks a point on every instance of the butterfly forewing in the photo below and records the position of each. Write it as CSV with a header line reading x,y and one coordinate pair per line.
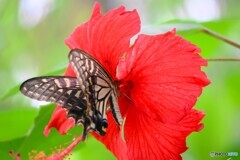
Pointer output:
x,y
96,78
63,91
85,97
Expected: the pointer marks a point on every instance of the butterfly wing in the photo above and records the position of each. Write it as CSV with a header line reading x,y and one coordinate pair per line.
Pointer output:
x,y
97,81
85,97
62,90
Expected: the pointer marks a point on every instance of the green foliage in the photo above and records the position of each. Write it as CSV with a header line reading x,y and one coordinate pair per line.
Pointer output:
x,y
29,52
35,141
15,121
15,90
220,100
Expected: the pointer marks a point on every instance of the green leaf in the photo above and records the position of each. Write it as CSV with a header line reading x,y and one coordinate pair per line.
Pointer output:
x,y
162,28
212,47
85,151
11,92
59,71
16,120
35,140
15,89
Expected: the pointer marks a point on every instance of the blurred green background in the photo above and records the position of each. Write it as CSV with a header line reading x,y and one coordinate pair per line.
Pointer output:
x,y
31,44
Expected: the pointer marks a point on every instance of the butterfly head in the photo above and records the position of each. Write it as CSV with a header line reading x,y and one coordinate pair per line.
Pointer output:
x,y
102,127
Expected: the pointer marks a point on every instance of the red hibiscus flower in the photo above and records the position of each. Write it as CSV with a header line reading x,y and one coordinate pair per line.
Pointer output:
x,y
159,79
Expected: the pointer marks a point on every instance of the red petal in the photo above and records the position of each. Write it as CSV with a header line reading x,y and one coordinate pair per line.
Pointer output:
x,y
106,37
165,71
69,71
148,139
59,118
59,121
113,139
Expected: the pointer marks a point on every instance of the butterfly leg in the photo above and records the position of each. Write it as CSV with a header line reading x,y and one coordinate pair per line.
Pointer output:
x,y
86,127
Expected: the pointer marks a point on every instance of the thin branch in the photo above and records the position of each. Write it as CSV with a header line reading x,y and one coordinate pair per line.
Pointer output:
x,y
218,36
224,59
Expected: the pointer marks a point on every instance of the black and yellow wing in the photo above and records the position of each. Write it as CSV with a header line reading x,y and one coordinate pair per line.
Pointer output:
x,y
100,85
85,97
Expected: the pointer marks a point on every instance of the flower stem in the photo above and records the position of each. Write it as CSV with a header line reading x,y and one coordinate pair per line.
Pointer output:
x,y
66,151
218,36
223,59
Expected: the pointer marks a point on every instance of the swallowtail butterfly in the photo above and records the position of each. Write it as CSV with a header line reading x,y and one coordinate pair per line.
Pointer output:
x,y
85,97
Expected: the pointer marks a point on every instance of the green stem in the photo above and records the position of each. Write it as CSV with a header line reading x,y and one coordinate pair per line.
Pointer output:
x,y
218,36
223,59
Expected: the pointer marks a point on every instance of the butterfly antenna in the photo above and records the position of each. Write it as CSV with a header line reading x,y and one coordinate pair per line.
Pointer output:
x,y
127,97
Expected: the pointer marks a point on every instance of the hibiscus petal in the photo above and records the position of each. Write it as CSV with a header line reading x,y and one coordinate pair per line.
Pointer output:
x,y
59,121
113,139
166,76
149,139
106,37
59,118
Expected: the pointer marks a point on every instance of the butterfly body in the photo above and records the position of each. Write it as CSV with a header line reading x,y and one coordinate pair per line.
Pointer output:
x,y
85,97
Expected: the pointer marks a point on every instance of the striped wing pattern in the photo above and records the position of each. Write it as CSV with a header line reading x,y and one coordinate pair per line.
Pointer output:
x,y
61,90
85,98
100,84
